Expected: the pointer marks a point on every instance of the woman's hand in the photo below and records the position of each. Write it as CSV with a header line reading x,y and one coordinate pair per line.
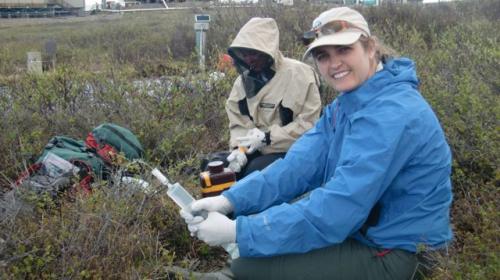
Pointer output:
x,y
212,204
216,229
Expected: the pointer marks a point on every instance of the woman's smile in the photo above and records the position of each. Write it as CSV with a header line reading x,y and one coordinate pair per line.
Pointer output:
x,y
340,75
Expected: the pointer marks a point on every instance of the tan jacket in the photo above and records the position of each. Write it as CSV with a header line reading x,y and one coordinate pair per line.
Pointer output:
x,y
294,85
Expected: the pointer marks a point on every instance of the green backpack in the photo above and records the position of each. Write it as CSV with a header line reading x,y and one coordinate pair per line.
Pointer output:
x,y
63,159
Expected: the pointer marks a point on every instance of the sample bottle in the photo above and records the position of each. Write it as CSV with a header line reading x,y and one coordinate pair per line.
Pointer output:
x,y
217,179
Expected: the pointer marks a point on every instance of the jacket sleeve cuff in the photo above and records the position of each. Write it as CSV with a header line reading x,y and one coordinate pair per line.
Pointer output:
x,y
229,196
241,239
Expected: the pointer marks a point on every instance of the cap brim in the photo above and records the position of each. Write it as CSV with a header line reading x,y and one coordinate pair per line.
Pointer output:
x,y
337,39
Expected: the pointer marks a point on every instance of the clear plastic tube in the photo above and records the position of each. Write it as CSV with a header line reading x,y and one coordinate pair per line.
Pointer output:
x,y
184,199
181,197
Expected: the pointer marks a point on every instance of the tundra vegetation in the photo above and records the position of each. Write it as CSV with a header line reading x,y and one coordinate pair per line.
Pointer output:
x,y
140,70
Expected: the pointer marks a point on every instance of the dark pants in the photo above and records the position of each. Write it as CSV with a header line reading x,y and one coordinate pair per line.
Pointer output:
x,y
256,161
349,260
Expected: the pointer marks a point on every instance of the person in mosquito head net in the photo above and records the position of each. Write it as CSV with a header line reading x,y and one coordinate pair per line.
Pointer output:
x,y
376,167
273,101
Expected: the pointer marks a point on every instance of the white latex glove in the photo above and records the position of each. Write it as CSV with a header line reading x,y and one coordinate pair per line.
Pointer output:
x,y
191,220
237,160
216,229
254,140
212,204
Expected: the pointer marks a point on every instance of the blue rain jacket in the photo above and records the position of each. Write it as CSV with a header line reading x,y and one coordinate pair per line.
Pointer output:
x,y
378,143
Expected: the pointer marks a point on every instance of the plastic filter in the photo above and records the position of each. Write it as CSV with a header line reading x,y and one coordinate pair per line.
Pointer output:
x,y
183,199
180,196
176,192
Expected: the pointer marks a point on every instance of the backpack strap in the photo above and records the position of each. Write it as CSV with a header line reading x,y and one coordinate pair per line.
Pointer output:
x,y
106,151
88,177
28,172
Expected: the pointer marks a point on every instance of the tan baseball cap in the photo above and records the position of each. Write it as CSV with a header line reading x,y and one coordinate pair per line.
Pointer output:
x,y
337,26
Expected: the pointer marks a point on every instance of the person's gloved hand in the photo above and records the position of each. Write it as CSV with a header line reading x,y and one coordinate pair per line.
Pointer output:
x,y
216,229
254,140
212,204
237,160
191,220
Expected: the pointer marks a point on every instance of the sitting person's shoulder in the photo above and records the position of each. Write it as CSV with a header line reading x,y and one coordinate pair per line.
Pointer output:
x,y
297,68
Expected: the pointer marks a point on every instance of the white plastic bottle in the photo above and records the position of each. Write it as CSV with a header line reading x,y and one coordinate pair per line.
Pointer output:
x,y
184,199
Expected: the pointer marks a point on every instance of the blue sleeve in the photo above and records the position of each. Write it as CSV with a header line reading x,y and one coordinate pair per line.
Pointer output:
x,y
286,179
375,149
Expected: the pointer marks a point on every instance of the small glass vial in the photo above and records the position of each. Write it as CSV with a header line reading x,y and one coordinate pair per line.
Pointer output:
x,y
217,179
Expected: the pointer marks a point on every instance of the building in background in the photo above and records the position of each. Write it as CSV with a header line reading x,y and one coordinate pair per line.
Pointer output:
x,y
47,8
361,2
378,2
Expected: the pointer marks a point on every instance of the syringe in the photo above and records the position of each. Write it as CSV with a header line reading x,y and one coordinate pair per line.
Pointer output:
x,y
184,199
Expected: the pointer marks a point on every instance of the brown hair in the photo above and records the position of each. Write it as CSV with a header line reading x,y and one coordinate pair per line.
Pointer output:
x,y
382,52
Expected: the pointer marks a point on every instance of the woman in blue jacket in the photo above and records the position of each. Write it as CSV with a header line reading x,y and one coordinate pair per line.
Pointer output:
x,y
359,196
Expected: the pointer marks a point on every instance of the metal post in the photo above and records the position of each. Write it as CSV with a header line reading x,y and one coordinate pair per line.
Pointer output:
x,y
50,53
201,23
201,50
34,62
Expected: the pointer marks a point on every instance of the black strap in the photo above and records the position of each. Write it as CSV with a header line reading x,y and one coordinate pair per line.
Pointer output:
x,y
286,114
243,106
267,139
